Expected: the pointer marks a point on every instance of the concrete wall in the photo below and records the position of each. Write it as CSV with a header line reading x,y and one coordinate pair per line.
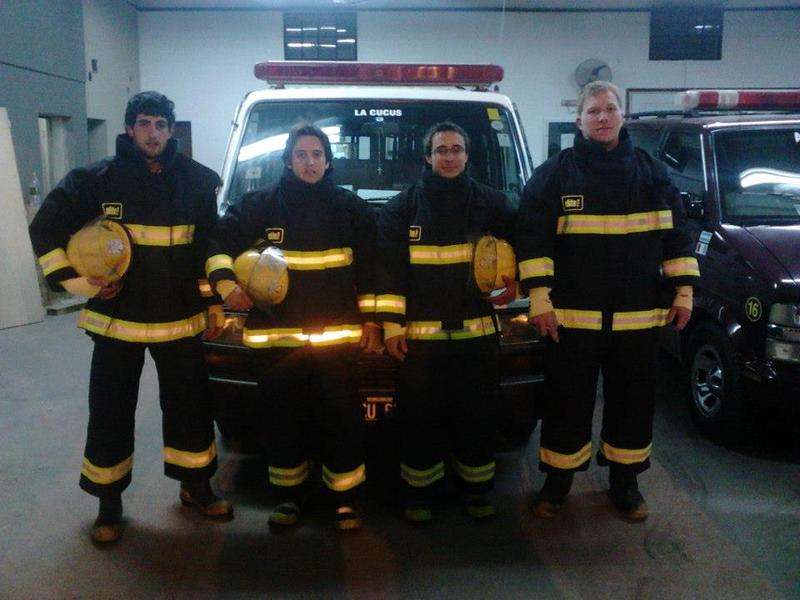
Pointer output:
x,y
204,60
111,37
41,74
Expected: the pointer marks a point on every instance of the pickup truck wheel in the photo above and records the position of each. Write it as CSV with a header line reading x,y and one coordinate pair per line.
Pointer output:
x,y
715,394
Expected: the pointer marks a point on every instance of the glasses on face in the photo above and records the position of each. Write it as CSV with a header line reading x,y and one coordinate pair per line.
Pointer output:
x,y
444,151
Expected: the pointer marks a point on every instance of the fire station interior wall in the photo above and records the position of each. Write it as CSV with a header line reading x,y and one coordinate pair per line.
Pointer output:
x,y
111,69
204,59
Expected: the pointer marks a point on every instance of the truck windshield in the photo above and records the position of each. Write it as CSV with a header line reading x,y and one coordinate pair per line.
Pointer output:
x,y
759,175
377,145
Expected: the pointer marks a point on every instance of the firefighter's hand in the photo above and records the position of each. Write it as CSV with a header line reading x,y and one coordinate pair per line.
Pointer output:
x,y
216,322
397,346
508,294
238,300
371,337
107,289
679,316
547,324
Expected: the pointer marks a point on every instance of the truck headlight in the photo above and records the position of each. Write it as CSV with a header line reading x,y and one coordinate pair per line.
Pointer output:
x,y
783,333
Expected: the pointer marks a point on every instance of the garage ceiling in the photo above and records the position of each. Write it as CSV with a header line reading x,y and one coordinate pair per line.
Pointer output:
x,y
449,4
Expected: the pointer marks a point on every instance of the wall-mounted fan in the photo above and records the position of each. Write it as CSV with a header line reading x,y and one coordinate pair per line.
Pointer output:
x,y
592,69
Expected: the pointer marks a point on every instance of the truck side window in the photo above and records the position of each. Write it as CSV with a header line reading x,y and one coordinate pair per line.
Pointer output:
x,y
646,139
684,160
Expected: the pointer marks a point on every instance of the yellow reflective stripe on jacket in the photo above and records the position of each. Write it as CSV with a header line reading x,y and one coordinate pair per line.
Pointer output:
x,y
639,319
190,460
131,331
580,319
432,330
289,477
677,267
614,224
366,303
54,260
536,267
566,461
106,475
390,303
161,235
626,456
205,288
440,255
469,474
418,479
217,262
341,482
299,260
292,337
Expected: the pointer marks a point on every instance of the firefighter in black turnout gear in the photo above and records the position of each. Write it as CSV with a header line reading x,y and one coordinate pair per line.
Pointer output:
x,y
440,326
607,259
166,202
307,345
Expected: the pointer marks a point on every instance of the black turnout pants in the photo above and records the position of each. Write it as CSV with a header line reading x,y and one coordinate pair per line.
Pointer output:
x,y
187,412
628,362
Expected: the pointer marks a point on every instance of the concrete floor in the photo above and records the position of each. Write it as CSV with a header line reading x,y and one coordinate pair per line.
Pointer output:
x,y
725,522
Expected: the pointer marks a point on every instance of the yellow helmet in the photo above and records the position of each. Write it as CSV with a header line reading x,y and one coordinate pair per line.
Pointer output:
x,y
263,274
492,259
101,249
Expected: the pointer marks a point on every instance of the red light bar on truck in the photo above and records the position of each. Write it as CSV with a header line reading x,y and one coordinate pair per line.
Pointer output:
x,y
740,99
279,72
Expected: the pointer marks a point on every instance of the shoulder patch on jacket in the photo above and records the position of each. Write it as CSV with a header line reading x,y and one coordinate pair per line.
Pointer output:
x,y
275,235
112,210
572,203
415,233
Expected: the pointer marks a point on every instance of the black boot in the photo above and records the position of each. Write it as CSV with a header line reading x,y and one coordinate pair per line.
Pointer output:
x,y
554,492
199,495
625,494
107,527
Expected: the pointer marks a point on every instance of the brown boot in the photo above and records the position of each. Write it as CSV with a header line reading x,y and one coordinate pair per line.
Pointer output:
x,y
198,494
553,494
107,527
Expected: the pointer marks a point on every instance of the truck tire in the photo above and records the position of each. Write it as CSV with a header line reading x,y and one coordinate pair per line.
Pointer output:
x,y
715,400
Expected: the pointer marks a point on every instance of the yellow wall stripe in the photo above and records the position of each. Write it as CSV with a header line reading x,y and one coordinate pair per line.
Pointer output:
x,y
536,267
131,331
614,224
190,460
566,461
440,255
106,475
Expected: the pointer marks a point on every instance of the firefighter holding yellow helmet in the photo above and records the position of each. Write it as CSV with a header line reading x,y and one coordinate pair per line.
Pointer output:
x,y
441,250
130,232
308,287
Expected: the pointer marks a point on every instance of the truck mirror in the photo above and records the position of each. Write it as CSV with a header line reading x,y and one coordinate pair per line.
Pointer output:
x,y
693,203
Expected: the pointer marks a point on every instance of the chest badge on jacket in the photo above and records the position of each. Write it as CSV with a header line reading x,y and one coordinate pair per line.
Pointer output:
x,y
572,203
275,235
112,210
415,233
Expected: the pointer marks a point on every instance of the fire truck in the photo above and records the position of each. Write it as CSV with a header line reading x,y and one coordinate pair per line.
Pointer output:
x,y
375,115
735,157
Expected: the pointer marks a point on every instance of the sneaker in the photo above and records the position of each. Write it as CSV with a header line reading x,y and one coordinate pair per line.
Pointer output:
x,y
629,502
107,527
200,496
284,515
347,518
553,494
419,511
479,507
